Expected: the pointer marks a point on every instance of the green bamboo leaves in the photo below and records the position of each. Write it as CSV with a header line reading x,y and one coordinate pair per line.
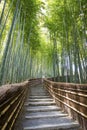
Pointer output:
x,y
43,38
66,22
22,38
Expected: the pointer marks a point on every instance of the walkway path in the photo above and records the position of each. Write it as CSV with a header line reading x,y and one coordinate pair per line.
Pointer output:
x,y
41,113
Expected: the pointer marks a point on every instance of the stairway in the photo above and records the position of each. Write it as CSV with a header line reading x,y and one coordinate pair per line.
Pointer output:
x,y
41,113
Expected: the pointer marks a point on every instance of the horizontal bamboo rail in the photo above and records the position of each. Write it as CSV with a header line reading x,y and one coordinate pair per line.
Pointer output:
x,y
12,98
70,97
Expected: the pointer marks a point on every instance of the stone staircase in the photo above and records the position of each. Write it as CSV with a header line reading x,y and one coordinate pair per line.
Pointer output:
x,y
41,113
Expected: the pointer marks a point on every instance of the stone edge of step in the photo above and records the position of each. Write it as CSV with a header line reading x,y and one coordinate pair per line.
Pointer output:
x,y
46,116
39,103
44,109
42,99
62,126
39,97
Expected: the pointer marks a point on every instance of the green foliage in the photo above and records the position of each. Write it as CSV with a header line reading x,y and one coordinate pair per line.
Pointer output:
x,y
40,37
66,22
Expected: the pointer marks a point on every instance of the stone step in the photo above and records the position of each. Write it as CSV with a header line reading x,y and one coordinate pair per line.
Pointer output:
x,y
39,103
42,108
40,94
45,116
42,100
42,113
70,126
59,123
38,97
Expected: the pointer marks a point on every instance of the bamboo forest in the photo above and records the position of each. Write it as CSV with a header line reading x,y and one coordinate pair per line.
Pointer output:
x,y
43,38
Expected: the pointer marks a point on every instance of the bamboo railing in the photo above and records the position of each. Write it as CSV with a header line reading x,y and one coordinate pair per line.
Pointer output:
x,y
72,98
12,98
